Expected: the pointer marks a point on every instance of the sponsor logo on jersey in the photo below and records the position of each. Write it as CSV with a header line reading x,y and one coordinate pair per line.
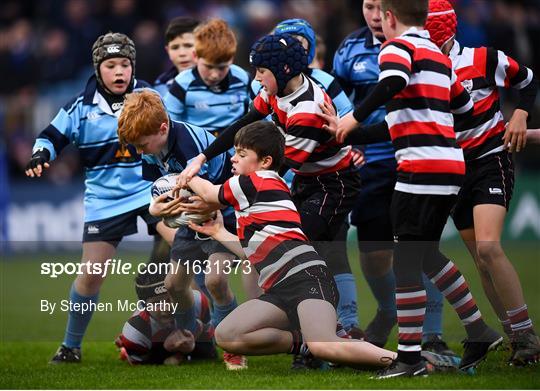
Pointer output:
x,y
495,190
468,85
117,105
92,116
360,66
313,291
201,105
93,229
113,49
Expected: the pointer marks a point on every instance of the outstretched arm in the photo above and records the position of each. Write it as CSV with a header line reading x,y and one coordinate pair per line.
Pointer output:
x,y
205,189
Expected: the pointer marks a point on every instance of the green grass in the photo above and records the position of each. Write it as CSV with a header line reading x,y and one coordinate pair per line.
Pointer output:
x,y
29,338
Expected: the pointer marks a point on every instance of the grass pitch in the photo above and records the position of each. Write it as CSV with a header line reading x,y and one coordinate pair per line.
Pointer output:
x,y
29,338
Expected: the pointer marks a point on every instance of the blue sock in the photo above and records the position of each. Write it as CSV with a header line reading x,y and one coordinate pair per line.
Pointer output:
x,y
346,311
434,306
186,320
221,311
199,280
384,288
78,321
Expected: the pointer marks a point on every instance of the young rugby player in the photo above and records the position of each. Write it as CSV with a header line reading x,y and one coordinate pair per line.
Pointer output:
x,y
334,252
115,193
180,47
357,70
421,92
167,147
150,336
295,279
215,93
488,143
296,312
325,182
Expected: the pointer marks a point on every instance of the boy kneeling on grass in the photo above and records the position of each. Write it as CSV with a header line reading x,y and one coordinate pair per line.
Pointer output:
x,y
296,313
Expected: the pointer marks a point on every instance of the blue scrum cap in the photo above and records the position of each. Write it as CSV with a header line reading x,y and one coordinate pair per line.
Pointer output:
x,y
299,27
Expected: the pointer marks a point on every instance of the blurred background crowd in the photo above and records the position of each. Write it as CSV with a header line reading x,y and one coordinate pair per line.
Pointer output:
x,y
45,51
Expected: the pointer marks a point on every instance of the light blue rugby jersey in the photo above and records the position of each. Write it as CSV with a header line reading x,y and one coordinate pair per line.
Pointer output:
x,y
190,100
114,183
184,143
165,80
356,68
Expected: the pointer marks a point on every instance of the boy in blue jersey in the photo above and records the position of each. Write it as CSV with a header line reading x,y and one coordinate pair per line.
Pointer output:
x,y
168,146
115,193
357,70
180,47
215,93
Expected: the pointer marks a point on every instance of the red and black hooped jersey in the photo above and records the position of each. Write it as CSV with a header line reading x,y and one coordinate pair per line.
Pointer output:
x,y
309,149
420,117
481,71
268,226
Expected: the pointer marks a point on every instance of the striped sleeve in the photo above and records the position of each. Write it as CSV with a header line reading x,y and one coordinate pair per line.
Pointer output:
x,y
175,101
395,59
232,192
61,131
262,104
507,71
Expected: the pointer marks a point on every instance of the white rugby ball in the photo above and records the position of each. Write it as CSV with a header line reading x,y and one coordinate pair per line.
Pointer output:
x,y
165,185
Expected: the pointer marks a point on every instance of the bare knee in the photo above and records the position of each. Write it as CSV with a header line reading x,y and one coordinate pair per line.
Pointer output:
x,y
88,284
217,285
488,253
175,286
227,337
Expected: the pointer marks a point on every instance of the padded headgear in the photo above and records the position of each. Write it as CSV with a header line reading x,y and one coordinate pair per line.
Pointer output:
x,y
149,285
299,27
441,22
282,54
112,45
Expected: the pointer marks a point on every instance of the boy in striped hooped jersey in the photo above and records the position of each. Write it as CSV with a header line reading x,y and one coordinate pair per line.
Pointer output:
x,y
421,93
299,299
326,182
488,142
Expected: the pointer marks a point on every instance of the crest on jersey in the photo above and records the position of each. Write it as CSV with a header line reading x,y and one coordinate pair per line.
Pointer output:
x,y
468,85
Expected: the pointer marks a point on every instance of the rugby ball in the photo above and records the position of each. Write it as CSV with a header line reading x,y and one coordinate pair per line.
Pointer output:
x,y
165,185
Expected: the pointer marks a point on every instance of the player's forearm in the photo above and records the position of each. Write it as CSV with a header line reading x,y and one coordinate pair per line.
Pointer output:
x,y
231,242
381,94
527,96
204,189
225,140
533,136
368,135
